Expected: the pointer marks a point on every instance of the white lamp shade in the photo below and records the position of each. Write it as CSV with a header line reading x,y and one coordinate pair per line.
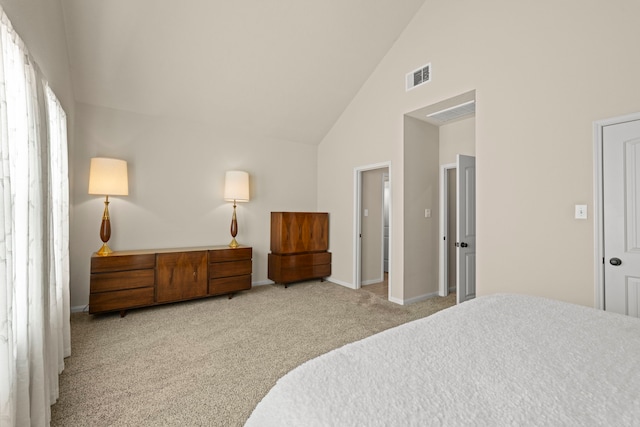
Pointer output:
x,y
108,177
236,186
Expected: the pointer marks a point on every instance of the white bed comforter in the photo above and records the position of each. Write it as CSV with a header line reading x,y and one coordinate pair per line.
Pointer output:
x,y
497,360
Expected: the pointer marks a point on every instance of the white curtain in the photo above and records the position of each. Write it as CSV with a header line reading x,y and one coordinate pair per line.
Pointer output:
x,y
34,308
58,236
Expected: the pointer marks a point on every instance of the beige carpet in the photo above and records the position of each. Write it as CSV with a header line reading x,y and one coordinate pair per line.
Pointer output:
x,y
209,362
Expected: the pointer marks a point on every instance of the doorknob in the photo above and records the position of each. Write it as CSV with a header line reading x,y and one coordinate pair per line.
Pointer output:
x,y
461,245
615,262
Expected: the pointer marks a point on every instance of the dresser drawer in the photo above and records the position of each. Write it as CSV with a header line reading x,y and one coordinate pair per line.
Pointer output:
x,y
223,255
294,268
122,263
229,284
304,260
322,270
120,300
231,268
304,272
121,280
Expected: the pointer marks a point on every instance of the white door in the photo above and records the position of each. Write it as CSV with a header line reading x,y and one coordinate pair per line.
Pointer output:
x,y
466,228
621,194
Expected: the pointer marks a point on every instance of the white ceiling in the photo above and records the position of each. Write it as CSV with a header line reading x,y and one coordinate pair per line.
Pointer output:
x,y
282,69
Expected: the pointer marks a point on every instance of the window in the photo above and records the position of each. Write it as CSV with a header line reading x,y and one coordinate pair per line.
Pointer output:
x,y
34,308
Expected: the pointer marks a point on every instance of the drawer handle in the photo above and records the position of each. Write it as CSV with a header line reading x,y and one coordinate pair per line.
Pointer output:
x,y
195,275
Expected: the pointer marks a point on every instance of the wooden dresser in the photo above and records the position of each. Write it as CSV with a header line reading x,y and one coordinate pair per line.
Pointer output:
x,y
133,279
299,244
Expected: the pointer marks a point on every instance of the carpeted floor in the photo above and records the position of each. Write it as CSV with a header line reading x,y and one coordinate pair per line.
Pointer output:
x,y
209,362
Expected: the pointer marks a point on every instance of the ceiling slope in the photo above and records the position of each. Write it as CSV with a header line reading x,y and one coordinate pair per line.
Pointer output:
x,y
283,69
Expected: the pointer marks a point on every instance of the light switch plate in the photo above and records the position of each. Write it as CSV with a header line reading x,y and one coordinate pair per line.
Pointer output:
x,y
581,211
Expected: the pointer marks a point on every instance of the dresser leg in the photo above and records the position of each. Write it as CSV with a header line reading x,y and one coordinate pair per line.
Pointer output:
x,y
230,296
123,313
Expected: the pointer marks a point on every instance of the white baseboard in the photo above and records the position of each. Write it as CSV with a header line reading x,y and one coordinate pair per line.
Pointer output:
x,y
263,282
413,300
340,282
396,301
420,298
371,282
79,308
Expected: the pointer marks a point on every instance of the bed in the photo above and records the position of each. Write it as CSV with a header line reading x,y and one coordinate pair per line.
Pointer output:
x,y
496,360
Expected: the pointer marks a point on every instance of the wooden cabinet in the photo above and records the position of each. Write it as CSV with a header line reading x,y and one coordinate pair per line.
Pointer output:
x,y
299,244
132,279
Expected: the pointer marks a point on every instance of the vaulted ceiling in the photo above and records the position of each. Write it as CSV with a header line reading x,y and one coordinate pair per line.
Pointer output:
x,y
281,69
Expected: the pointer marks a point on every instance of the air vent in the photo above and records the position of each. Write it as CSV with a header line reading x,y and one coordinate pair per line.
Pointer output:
x,y
417,77
455,112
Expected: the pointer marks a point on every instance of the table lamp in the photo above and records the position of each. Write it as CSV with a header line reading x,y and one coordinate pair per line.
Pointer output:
x,y
236,189
107,177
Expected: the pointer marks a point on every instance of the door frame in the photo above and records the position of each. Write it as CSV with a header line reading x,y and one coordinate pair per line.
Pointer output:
x,y
598,211
443,282
357,223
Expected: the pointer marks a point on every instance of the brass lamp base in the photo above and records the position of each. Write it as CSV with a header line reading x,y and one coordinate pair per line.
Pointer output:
x,y
234,228
105,250
105,230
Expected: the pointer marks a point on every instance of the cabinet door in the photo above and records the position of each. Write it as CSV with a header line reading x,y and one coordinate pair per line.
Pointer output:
x,y
181,276
296,232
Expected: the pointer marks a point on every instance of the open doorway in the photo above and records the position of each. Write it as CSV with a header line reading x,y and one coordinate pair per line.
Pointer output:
x,y
457,228
443,264
373,229
448,195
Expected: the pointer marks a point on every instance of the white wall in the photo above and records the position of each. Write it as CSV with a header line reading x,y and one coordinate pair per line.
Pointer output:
x,y
543,72
421,234
457,138
40,25
176,179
